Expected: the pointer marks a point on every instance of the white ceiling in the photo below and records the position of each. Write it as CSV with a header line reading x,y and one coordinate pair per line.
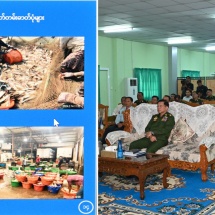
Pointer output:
x,y
56,136
154,21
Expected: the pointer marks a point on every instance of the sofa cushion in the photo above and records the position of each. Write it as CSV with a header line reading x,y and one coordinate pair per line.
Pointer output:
x,y
181,132
182,152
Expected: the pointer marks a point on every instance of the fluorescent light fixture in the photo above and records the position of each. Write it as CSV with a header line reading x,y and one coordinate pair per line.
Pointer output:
x,y
180,40
210,48
117,30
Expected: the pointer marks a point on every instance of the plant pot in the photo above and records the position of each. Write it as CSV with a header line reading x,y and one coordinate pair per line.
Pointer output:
x,y
32,179
54,169
51,175
15,183
21,178
26,185
1,175
54,189
67,195
47,180
39,187
13,56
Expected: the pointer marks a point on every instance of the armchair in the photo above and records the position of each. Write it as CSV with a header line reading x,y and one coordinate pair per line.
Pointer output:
x,y
103,118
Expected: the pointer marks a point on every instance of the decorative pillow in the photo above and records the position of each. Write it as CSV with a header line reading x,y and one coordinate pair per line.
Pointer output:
x,y
127,121
181,132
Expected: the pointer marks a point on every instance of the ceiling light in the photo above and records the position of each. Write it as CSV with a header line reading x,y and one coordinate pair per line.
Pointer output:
x,y
181,40
117,30
210,48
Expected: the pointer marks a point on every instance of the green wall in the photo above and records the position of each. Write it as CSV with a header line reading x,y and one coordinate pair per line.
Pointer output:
x,y
198,61
122,56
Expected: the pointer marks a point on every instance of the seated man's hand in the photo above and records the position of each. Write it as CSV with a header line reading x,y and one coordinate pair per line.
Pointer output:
x,y
119,125
153,139
148,134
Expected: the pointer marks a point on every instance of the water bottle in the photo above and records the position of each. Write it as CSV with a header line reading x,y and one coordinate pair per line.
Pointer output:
x,y
119,150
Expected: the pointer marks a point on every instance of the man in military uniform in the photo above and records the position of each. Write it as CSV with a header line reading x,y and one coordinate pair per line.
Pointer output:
x,y
154,100
210,96
167,98
140,99
189,85
195,98
201,88
157,130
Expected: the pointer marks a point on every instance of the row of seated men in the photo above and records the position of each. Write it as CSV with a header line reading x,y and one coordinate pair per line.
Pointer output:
x,y
190,96
157,131
154,126
202,92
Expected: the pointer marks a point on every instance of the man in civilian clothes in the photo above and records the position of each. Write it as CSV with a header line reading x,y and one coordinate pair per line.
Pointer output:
x,y
119,119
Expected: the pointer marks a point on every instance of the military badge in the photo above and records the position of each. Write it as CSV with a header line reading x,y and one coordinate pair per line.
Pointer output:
x,y
164,119
155,119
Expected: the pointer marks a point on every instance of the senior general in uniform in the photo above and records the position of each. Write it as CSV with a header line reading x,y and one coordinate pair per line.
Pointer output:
x,y
157,130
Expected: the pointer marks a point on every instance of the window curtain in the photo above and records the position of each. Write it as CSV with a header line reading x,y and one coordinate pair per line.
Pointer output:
x,y
149,82
185,73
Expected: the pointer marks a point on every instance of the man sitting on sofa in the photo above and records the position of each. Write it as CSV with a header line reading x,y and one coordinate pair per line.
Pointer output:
x,y
119,119
157,130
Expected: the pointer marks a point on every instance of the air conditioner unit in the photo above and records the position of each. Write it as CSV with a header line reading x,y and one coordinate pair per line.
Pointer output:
x,y
131,88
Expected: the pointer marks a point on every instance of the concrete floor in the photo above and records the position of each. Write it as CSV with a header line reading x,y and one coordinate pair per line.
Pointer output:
x,y
9,192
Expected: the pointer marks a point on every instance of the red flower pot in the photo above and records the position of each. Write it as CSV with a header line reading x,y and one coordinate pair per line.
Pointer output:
x,y
26,185
39,187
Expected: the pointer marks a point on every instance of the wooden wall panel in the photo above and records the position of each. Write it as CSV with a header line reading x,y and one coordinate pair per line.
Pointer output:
x,y
208,81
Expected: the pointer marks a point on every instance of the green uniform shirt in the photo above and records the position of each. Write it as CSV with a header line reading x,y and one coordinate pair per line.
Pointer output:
x,y
210,98
199,101
161,126
140,102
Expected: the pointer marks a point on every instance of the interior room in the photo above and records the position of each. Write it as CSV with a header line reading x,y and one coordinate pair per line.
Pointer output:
x,y
151,47
41,162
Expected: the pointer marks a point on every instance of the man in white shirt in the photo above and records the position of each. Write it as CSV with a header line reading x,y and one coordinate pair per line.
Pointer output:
x,y
119,106
188,96
119,119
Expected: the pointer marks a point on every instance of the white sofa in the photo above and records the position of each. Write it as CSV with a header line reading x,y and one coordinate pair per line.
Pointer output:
x,y
188,153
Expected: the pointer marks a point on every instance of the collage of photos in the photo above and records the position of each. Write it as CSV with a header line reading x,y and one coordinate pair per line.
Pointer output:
x,y
46,129
41,73
41,162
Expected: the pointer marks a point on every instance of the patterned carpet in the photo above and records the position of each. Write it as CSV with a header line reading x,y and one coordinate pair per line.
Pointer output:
x,y
186,195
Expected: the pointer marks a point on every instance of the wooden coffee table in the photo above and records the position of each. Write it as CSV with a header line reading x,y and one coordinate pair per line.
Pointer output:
x,y
140,167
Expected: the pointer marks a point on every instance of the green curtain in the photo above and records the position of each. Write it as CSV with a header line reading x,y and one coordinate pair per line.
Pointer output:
x,y
185,73
99,99
149,82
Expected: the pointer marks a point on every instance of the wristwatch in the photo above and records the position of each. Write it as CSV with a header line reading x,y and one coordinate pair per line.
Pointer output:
x,y
152,133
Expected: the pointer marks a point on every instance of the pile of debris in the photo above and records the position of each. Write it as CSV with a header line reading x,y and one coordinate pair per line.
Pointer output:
x,y
24,78
25,81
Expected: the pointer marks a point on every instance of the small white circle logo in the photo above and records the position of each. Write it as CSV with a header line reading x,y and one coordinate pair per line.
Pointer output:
x,y
85,207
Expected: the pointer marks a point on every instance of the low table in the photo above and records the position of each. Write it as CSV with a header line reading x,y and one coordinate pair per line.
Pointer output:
x,y
140,167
